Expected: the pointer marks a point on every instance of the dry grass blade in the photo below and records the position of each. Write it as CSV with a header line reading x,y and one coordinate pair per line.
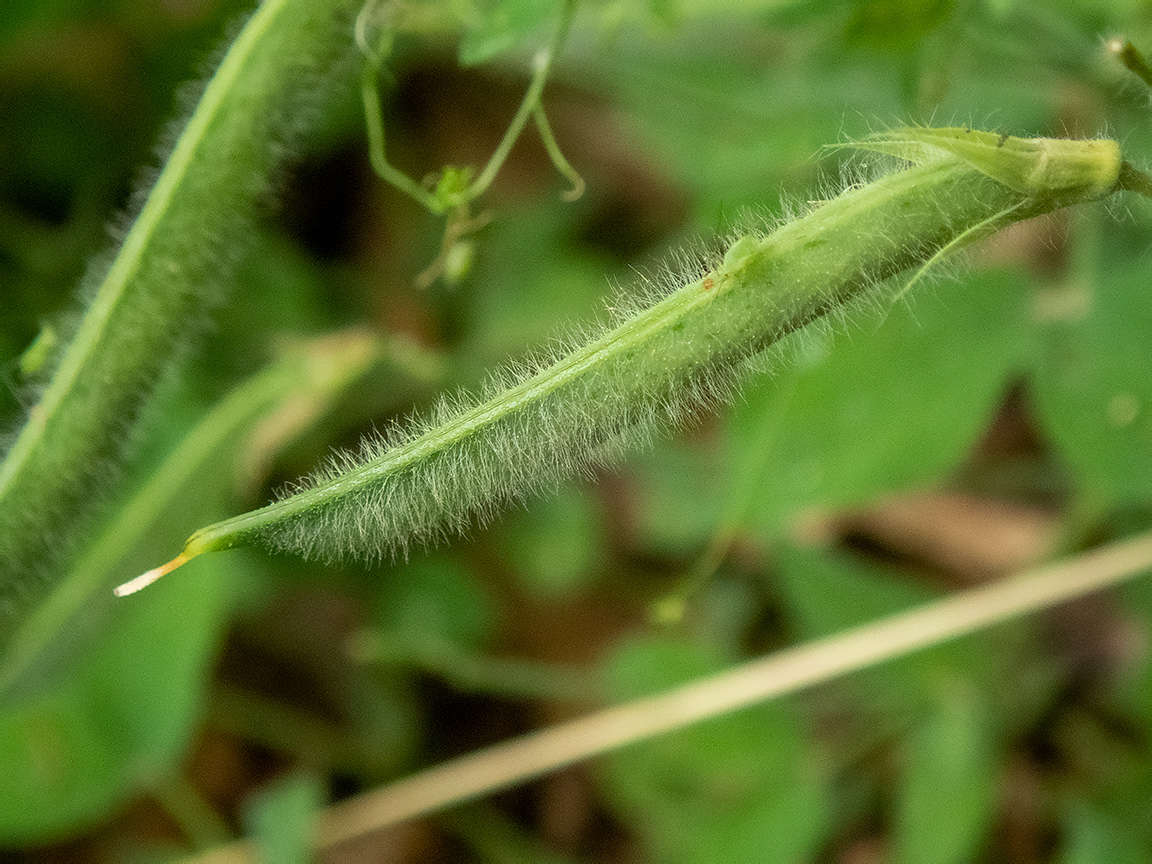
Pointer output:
x,y
788,671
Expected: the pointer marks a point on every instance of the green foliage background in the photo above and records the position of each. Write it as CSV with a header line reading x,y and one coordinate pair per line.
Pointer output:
x,y
1028,743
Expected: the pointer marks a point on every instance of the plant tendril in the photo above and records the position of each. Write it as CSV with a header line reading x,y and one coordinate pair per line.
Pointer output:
x,y
455,189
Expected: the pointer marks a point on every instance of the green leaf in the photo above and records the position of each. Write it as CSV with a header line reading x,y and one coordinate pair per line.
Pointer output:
x,y
280,818
884,407
1092,837
557,544
738,788
498,26
678,497
434,600
827,593
728,119
1093,388
889,23
121,716
948,793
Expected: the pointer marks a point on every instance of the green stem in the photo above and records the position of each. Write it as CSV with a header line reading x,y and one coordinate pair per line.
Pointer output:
x,y
670,609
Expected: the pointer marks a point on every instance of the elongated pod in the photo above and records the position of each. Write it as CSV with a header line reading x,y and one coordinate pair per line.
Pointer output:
x,y
668,360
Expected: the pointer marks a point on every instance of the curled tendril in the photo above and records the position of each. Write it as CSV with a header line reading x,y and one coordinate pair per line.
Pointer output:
x,y
455,188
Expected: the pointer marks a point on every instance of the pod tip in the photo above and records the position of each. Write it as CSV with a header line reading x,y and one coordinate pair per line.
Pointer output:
x,y
146,579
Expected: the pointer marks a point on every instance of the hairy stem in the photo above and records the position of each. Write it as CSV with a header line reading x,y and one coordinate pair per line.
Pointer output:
x,y
152,295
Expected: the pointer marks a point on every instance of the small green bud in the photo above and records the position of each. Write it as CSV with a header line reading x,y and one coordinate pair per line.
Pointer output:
x,y
39,351
458,261
452,186
738,253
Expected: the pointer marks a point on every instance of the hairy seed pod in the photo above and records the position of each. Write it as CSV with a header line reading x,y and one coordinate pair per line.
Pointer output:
x,y
648,372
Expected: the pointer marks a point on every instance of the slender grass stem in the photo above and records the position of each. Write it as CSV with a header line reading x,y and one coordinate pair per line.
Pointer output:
x,y
782,673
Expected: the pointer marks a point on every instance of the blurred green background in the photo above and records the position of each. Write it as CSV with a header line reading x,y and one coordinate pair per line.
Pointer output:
x,y
1001,415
